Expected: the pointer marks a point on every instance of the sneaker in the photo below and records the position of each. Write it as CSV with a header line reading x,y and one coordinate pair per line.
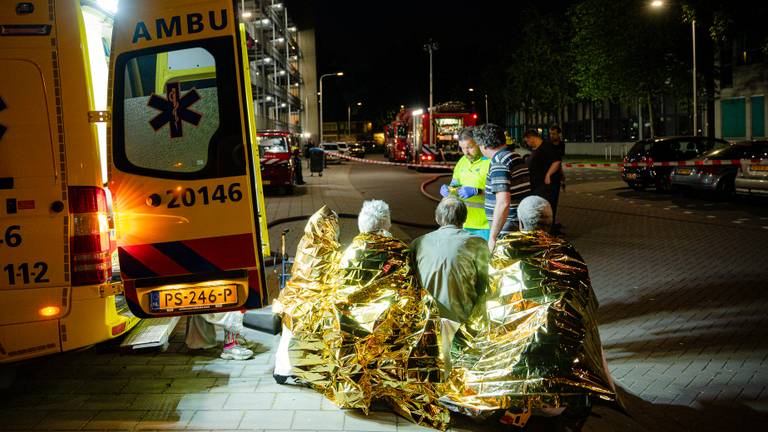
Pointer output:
x,y
236,352
290,380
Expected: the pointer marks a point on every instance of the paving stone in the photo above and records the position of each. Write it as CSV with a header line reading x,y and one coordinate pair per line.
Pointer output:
x,y
259,371
179,371
65,420
306,400
103,386
191,385
267,419
148,385
111,402
115,420
235,385
15,420
169,359
219,370
157,402
374,421
164,420
318,420
250,401
204,401
142,371
215,420
268,385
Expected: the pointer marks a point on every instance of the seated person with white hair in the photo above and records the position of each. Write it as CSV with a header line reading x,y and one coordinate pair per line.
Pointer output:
x,y
534,333
534,213
374,218
452,264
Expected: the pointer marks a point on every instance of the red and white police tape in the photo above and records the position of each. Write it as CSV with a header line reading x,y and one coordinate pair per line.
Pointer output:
x,y
403,164
688,163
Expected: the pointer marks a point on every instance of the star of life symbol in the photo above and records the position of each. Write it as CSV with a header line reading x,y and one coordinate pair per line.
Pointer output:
x,y
174,110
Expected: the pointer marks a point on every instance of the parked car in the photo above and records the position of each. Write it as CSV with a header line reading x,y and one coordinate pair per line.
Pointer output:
x,y
343,148
331,150
712,178
275,160
356,149
664,149
752,177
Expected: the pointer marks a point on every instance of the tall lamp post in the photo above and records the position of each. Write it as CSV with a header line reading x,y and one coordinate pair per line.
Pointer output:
x,y
472,90
349,118
321,100
658,4
431,47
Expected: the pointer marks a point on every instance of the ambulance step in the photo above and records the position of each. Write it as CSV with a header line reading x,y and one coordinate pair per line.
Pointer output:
x,y
262,320
151,333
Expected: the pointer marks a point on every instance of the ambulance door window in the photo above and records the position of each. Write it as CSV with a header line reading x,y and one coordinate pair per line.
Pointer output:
x,y
179,113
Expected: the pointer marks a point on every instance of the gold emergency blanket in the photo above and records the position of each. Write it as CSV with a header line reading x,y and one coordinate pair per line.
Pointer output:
x,y
533,340
363,329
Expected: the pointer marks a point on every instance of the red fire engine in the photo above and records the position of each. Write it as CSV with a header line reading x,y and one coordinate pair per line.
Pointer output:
x,y
396,139
417,138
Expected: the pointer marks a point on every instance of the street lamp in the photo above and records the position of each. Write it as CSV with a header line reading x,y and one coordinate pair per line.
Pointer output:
x,y
658,4
349,118
321,100
431,47
472,90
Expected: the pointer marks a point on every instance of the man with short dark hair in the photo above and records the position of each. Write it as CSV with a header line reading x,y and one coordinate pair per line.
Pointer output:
x,y
556,137
469,183
544,165
507,183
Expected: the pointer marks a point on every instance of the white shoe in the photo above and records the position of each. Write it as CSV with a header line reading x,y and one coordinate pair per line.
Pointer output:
x,y
236,352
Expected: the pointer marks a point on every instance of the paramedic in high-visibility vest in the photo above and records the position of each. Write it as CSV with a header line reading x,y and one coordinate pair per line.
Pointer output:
x,y
469,184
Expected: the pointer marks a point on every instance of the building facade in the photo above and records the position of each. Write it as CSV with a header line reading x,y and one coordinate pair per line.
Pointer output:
x,y
740,110
283,68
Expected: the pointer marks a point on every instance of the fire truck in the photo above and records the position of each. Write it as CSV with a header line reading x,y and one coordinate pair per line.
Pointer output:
x,y
424,139
396,138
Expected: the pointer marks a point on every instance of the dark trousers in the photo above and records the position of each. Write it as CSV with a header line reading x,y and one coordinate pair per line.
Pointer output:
x,y
551,193
554,197
297,171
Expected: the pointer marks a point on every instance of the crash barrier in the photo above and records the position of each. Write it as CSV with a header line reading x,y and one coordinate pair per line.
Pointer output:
x,y
687,163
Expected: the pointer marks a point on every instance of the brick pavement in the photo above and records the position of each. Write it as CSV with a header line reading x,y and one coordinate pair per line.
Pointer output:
x,y
682,318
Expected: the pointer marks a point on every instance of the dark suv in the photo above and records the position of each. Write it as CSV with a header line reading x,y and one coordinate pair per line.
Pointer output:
x,y
663,149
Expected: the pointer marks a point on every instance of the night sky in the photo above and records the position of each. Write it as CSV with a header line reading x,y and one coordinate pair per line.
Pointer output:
x,y
379,46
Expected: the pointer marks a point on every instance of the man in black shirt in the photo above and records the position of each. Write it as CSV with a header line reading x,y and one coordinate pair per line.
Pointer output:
x,y
544,165
556,136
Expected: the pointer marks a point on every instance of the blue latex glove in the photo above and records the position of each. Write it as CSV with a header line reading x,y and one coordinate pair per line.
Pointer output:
x,y
468,192
454,182
444,191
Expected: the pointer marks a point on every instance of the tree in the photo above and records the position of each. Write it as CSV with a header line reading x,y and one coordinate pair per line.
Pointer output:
x,y
622,52
538,79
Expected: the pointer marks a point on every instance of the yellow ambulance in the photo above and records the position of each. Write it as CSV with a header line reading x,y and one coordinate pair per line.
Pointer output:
x,y
184,160
56,287
171,185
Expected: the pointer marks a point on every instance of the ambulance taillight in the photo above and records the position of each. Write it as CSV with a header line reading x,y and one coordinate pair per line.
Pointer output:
x,y
89,245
